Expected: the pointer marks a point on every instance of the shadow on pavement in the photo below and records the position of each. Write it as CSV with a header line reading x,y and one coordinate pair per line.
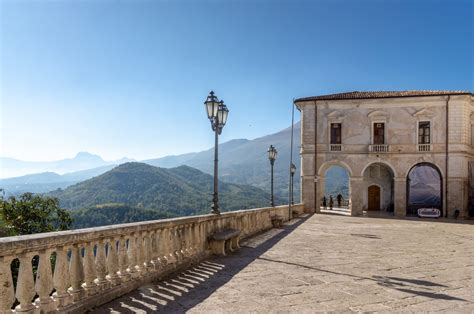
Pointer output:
x,y
183,291
389,282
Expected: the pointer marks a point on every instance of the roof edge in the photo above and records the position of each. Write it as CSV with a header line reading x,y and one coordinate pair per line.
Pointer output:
x,y
379,95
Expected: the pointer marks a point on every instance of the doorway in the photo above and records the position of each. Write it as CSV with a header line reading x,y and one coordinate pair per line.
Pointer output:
x,y
374,197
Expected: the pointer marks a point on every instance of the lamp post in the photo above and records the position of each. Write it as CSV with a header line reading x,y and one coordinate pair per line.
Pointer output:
x,y
292,171
272,155
217,113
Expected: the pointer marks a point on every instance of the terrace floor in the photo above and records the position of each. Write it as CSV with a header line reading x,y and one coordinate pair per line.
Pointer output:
x,y
326,263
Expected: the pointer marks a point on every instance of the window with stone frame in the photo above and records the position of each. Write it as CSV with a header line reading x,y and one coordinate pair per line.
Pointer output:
x,y
336,133
424,132
379,133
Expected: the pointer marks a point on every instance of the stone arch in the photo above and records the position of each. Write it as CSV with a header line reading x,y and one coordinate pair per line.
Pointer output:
x,y
325,176
384,179
395,174
413,205
328,164
440,169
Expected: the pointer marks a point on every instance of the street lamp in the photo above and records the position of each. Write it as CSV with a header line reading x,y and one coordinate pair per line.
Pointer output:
x,y
272,155
217,113
292,171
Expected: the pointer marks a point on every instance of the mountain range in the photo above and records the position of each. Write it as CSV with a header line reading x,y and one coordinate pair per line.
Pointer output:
x,y
241,161
245,161
47,181
181,191
10,167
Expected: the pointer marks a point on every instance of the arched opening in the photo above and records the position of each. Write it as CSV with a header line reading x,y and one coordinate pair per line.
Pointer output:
x,y
424,188
378,187
336,187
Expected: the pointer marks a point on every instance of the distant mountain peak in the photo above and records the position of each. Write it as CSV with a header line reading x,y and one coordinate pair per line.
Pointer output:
x,y
88,156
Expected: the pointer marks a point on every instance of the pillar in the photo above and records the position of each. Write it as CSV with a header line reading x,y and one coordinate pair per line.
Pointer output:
x,y
357,192
400,197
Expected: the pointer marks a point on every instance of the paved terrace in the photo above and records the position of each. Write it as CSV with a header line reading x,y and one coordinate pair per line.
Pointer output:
x,y
326,263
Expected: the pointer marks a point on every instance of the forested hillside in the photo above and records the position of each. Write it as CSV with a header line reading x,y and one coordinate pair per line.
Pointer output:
x,y
178,191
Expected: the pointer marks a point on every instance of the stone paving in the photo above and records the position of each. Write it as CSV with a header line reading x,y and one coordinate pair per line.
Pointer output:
x,y
326,263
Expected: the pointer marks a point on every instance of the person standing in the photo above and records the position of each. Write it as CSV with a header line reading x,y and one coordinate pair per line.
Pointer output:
x,y
339,200
331,202
325,203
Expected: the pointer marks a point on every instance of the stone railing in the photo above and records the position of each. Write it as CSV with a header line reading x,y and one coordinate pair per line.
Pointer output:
x,y
73,271
424,147
335,147
378,148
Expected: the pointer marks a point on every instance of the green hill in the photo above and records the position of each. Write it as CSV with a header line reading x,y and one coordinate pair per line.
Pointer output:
x,y
179,191
109,214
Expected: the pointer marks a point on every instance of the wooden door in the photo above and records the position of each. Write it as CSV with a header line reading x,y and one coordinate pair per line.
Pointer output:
x,y
374,197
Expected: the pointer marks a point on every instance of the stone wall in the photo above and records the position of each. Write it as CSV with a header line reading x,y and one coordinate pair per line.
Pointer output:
x,y
93,266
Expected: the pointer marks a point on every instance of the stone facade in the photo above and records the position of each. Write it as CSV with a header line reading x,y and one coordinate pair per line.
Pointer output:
x,y
387,166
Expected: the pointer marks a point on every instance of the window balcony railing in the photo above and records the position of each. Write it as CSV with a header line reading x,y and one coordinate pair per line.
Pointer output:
x,y
424,147
335,147
378,148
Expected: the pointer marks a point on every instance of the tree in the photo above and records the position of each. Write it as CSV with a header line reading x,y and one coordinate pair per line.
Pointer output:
x,y
32,213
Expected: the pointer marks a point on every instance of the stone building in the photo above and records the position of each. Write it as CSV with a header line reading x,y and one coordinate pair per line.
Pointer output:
x,y
402,150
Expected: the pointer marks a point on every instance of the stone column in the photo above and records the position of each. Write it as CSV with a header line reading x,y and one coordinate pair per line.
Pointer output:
x,y
25,289
7,293
307,193
320,190
357,192
457,197
44,283
400,196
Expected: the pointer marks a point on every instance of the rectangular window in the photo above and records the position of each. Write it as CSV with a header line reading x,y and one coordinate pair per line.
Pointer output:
x,y
379,133
336,133
424,133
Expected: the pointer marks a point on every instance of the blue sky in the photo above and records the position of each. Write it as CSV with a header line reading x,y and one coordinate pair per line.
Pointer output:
x,y
128,78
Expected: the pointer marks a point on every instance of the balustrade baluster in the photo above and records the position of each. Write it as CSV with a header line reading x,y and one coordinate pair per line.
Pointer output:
x,y
172,245
61,279
140,254
100,266
159,260
123,260
165,246
7,292
181,243
154,249
89,270
177,245
191,239
132,255
25,288
112,262
76,272
44,283
147,251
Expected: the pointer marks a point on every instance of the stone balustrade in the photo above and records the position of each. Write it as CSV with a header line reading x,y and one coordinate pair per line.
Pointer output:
x,y
378,148
73,271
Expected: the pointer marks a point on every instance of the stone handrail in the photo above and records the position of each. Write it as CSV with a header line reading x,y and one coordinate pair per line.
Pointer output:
x,y
79,269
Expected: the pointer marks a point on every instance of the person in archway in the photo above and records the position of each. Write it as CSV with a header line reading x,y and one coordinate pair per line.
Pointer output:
x,y
339,200
325,202
331,202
